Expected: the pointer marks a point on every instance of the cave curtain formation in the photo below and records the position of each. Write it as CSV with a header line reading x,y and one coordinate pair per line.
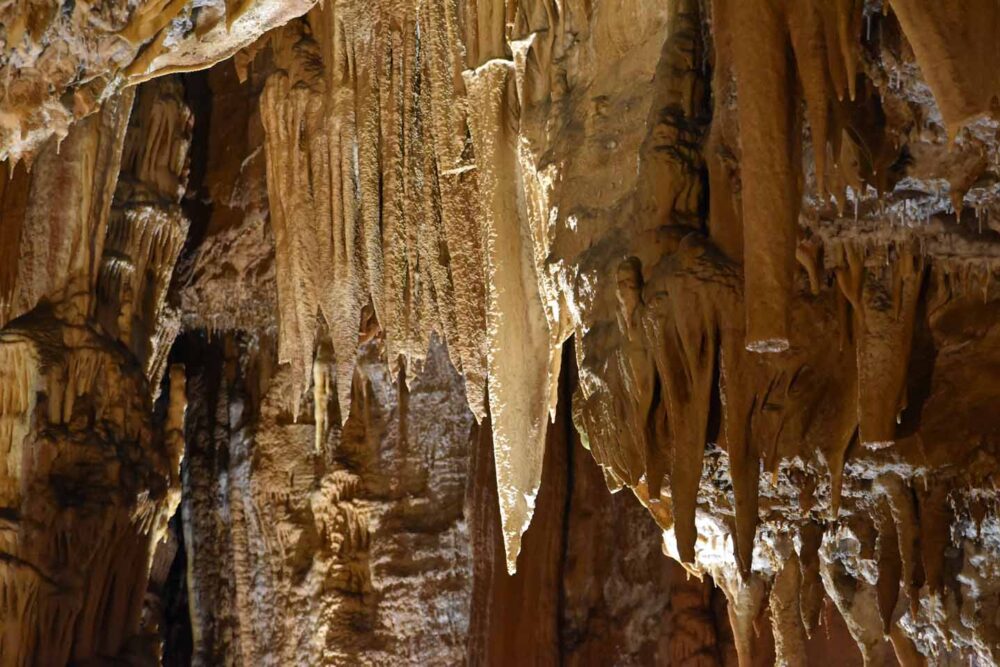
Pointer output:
x,y
326,331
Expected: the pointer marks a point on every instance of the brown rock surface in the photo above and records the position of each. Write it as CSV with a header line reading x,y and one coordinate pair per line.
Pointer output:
x,y
326,331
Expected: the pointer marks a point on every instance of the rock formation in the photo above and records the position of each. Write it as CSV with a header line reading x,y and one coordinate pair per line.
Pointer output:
x,y
499,332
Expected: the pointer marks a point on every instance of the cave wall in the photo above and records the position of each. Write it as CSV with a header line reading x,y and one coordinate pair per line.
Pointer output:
x,y
384,544
410,287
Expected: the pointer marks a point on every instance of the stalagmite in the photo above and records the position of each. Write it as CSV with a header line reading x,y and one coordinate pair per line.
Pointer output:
x,y
786,618
811,593
321,382
857,603
745,602
890,564
935,538
901,504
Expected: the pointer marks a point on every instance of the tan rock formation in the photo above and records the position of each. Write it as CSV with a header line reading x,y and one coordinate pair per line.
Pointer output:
x,y
325,331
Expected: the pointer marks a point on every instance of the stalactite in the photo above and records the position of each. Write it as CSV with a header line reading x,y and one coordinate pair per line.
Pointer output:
x,y
61,246
490,178
14,184
885,320
951,44
285,109
681,328
638,371
739,406
519,389
769,187
823,40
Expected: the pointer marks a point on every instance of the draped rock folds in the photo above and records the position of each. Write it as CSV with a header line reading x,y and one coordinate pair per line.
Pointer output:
x,y
83,512
758,278
61,61
91,472
768,226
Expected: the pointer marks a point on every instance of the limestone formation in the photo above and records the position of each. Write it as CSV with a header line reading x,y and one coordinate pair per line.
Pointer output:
x,y
328,330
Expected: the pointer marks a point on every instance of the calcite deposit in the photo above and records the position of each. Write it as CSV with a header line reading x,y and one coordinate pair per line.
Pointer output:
x,y
499,332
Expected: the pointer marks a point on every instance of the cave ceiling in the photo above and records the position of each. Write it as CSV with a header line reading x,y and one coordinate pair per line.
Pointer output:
x,y
499,332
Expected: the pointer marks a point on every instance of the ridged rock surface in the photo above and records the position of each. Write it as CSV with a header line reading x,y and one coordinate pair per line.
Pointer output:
x,y
327,332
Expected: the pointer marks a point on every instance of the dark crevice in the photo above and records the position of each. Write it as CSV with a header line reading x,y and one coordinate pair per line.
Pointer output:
x,y
178,640
567,385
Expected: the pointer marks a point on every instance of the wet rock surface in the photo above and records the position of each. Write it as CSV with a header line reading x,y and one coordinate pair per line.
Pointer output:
x,y
499,331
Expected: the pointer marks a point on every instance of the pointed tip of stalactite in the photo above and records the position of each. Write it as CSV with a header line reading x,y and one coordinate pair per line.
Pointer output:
x,y
768,345
951,135
744,568
478,400
877,445
512,557
477,415
746,517
513,535
957,202
345,385
687,536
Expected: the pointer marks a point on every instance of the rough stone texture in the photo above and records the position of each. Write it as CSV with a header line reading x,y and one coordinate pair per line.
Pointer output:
x,y
353,554
62,61
410,285
384,545
90,473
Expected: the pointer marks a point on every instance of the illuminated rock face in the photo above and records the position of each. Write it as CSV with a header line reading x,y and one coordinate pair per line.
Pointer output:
x,y
316,322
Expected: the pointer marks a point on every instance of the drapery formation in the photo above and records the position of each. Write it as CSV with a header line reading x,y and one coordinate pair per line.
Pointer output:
x,y
767,226
754,282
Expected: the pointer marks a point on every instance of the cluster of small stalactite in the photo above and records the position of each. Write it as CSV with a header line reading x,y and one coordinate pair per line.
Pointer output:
x,y
90,474
380,205
60,62
705,312
146,228
767,224
86,484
